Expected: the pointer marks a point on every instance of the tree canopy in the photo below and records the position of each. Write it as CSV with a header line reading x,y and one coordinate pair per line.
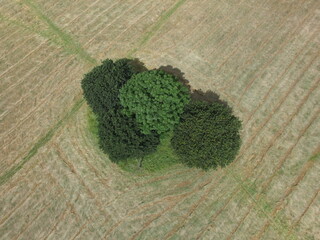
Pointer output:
x,y
156,99
121,138
207,135
119,135
101,85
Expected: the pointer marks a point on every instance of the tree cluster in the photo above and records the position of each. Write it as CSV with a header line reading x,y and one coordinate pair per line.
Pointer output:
x,y
135,108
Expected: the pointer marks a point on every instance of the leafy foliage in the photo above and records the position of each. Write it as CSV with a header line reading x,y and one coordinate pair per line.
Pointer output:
x,y
156,99
207,135
101,85
119,135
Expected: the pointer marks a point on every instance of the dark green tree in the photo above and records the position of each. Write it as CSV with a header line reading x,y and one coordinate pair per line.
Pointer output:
x,y
156,99
101,85
121,138
119,135
207,135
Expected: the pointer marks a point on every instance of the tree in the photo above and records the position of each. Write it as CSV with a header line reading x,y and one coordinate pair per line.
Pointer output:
x,y
119,135
156,99
207,135
121,138
101,85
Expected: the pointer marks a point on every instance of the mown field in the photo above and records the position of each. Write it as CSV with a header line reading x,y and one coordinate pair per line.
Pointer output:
x,y
262,57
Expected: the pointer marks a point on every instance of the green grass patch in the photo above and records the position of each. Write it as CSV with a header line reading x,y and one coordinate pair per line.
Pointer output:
x,y
162,159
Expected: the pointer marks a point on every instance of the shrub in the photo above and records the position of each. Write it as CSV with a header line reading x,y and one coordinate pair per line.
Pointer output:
x,y
156,99
207,135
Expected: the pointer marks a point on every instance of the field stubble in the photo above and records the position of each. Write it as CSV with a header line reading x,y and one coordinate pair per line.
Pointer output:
x,y
262,57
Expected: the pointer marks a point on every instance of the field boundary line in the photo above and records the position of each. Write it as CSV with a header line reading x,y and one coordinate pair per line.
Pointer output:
x,y
268,181
155,28
78,103
167,31
305,211
40,143
69,43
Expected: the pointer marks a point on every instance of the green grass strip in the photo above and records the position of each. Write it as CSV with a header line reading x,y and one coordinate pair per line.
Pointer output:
x,y
156,27
66,40
40,143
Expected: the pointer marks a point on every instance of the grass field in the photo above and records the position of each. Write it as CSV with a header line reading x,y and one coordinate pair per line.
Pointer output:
x,y
262,57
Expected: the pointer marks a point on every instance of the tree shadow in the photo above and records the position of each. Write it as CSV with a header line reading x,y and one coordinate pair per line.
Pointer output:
x,y
196,95
138,66
208,96
178,74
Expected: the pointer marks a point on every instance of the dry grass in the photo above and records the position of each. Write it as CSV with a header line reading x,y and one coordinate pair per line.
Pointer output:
x,y
260,56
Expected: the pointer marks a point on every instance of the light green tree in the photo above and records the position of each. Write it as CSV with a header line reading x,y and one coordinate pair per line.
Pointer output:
x,y
156,99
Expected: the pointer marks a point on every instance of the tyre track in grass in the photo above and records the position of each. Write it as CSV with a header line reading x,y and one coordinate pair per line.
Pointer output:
x,y
289,35
47,204
60,219
296,223
253,11
56,68
84,56
71,168
173,201
192,209
267,183
255,202
278,79
156,27
218,25
48,40
308,165
256,76
275,109
190,49
167,32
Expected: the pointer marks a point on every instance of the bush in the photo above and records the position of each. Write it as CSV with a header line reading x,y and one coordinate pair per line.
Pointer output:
x,y
156,99
207,135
